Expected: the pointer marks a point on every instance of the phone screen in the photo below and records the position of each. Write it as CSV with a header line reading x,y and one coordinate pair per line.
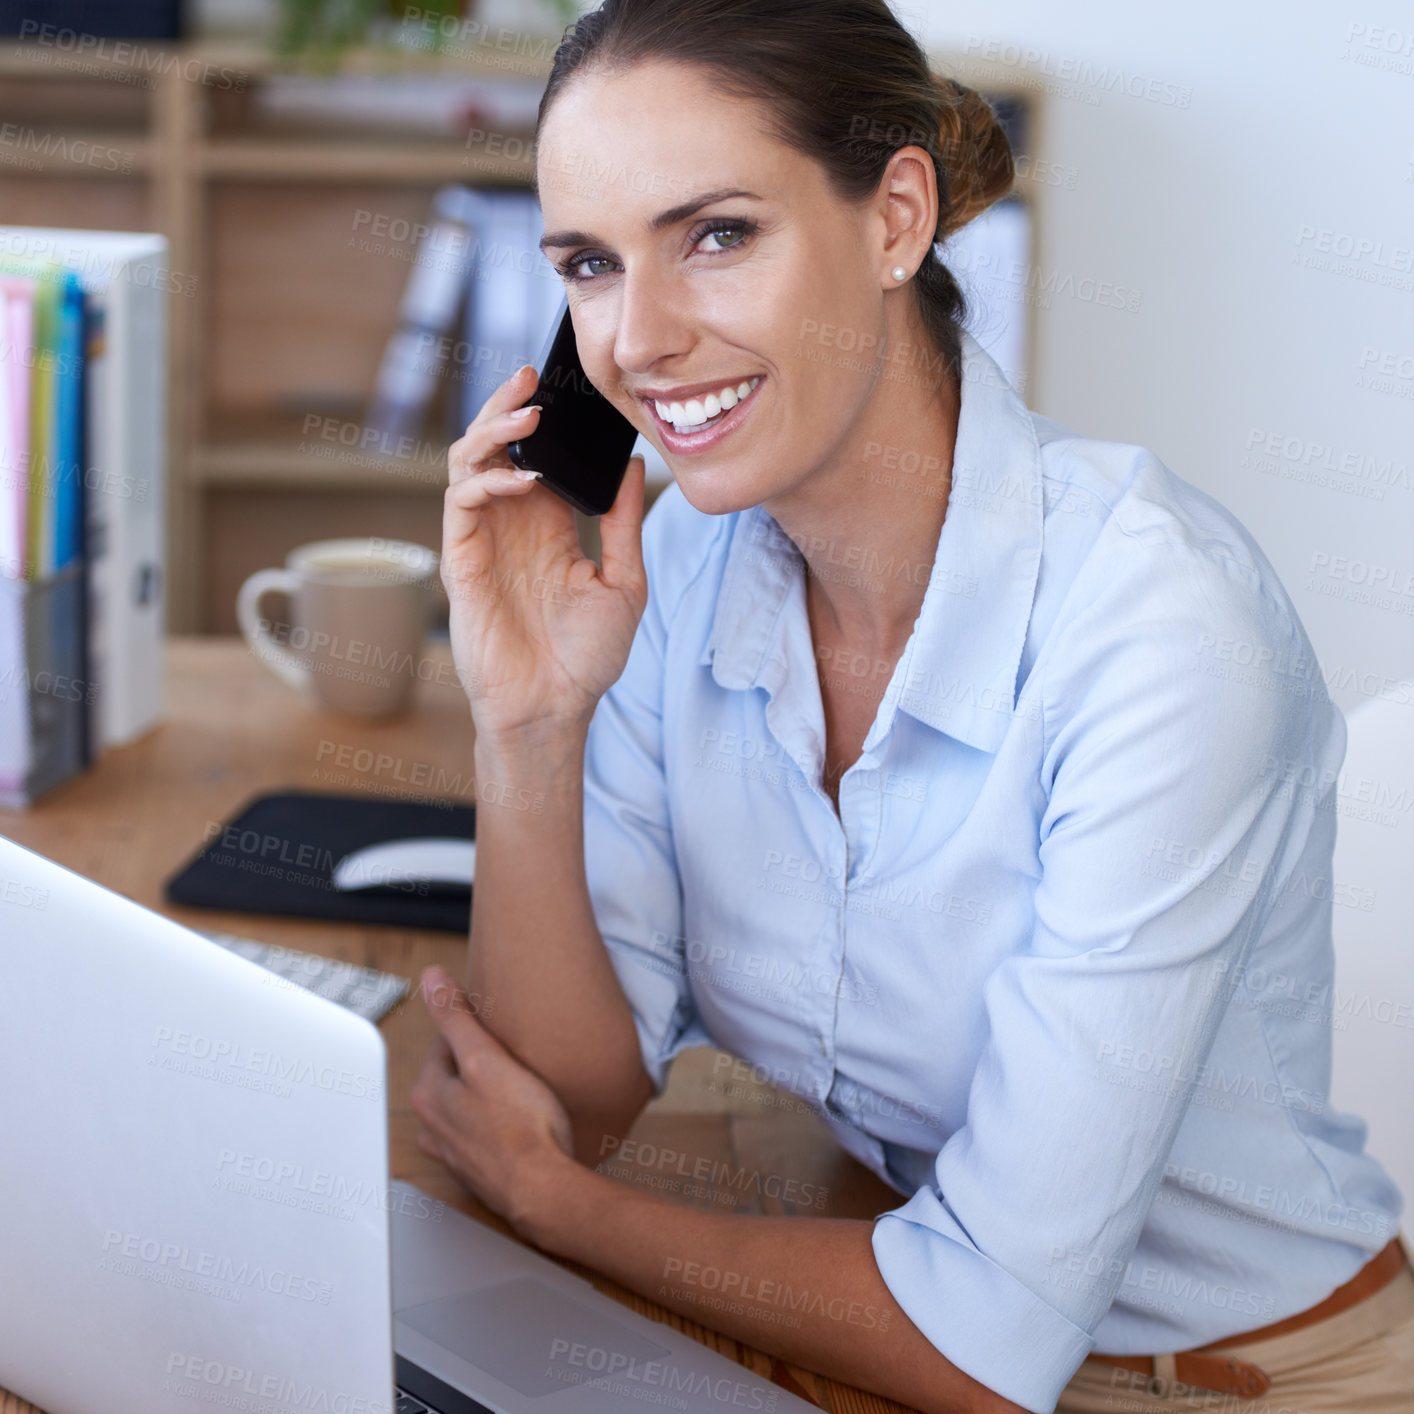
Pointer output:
x,y
582,443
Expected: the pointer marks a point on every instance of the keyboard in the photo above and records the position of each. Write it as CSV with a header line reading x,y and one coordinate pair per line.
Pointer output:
x,y
369,994
432,1396
410,1404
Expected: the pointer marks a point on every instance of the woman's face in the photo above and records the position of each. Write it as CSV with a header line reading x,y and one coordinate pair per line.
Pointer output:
x,y
680,300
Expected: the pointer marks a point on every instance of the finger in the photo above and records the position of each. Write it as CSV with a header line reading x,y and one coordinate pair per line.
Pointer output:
x,y
440,1059
484,448
439,1069
450,1009
621,531
512,393
466,558
476,489
494,425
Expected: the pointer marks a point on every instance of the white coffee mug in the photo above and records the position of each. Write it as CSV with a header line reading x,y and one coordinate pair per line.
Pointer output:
x,y
358,610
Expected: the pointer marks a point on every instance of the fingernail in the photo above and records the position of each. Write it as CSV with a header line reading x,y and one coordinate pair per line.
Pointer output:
x,y
523,367
527,475
526,410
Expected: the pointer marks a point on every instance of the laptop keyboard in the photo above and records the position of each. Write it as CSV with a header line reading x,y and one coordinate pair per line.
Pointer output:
x,y
422,1393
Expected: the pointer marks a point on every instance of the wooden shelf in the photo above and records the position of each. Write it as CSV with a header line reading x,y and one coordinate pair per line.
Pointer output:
x,y
464,60
271,447
147,61
245,203
23,58
289,302
413,161
77,153
285,465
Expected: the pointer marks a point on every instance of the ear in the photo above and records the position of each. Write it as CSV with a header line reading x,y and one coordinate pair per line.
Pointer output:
x,y
908,207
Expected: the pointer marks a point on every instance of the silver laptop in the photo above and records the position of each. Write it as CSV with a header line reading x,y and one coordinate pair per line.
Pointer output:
x,y
195,1210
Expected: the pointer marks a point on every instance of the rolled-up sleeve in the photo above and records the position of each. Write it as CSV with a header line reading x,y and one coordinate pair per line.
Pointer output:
x,y
1164,842
628,839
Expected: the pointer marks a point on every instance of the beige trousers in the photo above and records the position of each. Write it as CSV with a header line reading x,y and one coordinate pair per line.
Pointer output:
x,y
1358,1362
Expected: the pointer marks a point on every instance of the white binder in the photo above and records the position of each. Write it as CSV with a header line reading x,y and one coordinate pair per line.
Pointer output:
x,y
127,282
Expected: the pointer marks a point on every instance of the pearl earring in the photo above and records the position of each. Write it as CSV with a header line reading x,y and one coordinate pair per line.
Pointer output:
x,y
899,273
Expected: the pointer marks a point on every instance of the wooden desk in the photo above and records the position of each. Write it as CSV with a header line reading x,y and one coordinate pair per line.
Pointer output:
x,y
233,730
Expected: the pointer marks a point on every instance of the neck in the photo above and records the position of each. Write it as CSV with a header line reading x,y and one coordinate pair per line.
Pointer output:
x,y
867,521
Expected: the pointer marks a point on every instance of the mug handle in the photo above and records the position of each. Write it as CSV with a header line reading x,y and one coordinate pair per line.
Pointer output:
x,y
279,659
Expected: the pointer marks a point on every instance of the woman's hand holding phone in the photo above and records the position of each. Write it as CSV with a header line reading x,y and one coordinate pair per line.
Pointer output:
x,y
539,632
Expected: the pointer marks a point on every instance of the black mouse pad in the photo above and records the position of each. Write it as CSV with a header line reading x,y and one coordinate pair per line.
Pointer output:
x,y
279,853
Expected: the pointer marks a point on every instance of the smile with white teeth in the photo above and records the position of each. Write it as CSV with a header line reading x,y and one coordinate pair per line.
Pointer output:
x,y
698,412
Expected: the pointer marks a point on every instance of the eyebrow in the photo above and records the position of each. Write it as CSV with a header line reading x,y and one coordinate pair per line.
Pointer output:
x,y
670,217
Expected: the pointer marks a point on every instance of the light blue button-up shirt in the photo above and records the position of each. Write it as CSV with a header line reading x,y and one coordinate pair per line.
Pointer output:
x,y
1060,970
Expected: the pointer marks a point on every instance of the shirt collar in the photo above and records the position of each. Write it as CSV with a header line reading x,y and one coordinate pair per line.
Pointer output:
x,y
958,670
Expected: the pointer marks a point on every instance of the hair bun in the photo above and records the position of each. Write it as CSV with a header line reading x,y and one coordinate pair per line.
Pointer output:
x,y
976,156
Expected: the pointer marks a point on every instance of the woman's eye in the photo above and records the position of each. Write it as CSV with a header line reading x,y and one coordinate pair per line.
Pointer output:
x,y
572,268
728,231
726,236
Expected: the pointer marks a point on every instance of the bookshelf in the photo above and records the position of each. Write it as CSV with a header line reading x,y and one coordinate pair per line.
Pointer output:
x,y
277,318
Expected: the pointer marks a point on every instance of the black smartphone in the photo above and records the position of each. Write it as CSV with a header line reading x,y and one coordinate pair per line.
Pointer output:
x,y
582,443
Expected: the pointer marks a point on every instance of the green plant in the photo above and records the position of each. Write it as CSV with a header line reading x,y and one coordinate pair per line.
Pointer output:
x,y
326,27
323,29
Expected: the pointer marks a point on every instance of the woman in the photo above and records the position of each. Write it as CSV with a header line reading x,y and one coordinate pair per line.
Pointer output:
x,y
921,712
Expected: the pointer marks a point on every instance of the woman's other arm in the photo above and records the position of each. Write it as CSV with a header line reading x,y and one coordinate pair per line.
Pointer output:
x,y
806,1289
536,953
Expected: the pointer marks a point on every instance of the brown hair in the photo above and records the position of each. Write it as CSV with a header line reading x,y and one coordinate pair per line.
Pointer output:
x,y
843,82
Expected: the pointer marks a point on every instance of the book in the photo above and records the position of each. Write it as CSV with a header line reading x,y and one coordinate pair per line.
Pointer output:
x,y
16,746
513,298
16,304
415,354
38,512
66,538
48,352
44,693
120,463
44,736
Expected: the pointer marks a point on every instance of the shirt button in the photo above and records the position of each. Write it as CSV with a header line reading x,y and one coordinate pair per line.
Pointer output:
x,y
821,1041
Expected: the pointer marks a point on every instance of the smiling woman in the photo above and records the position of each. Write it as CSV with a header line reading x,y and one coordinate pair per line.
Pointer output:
x,y
923,792
727,213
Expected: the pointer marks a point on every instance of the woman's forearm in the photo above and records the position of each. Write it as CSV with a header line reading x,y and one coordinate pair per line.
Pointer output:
x,y
805,1289
538,971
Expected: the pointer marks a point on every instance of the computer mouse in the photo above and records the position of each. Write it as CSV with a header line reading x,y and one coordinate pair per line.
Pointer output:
x,y
391,863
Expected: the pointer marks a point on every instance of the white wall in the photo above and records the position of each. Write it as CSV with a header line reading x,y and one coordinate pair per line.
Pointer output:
x,y
1210,212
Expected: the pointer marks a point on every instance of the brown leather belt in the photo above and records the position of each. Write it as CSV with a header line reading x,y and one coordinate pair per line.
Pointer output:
x,y
1218,1372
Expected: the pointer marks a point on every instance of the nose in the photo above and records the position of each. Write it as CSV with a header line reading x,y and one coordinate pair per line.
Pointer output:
x,y
653,320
